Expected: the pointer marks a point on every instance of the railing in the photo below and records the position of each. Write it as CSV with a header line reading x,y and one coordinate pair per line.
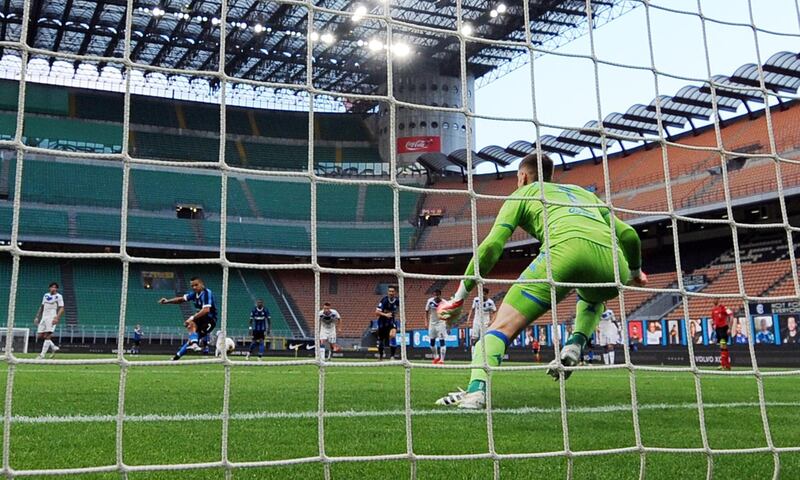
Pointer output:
x,y
108,333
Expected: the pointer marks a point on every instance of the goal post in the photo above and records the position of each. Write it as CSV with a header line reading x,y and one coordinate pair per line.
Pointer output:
x,y
19,339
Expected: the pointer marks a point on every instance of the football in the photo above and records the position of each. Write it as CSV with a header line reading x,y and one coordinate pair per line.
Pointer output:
x,y
230,345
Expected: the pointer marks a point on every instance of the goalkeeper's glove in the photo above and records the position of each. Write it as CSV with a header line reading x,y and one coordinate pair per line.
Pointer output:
x,y
638,278
449,310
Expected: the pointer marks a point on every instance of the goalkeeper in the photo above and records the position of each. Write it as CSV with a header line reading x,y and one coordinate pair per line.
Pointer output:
x,y
579,250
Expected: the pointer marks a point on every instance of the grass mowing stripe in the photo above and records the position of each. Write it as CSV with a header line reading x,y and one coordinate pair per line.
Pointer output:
x,y
378,413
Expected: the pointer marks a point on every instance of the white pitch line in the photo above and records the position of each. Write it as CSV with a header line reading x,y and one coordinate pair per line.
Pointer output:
x,y
377,413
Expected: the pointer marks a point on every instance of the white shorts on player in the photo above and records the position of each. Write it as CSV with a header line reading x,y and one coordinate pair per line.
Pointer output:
x,y
46,325
437,330
327,333
481,316
608,336
51,309
327,318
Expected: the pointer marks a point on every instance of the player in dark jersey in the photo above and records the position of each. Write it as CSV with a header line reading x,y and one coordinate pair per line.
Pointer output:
x,y
137,340
386,310
260,327
201,323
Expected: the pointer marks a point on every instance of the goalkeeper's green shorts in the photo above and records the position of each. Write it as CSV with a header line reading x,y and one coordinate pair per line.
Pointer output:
x,y
573,261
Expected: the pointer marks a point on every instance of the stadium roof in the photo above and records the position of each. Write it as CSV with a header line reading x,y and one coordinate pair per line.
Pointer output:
x,y
267,40
639,123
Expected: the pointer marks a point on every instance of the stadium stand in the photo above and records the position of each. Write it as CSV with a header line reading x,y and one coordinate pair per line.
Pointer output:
x,y
353,218
35,276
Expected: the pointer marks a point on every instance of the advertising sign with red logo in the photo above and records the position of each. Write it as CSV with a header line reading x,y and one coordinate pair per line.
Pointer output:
x,y
422,144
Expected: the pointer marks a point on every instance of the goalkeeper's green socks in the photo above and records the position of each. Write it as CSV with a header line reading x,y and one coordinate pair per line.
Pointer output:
x,y
587,318
494,344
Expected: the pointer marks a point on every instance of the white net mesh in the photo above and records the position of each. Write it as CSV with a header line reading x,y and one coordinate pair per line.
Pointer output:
x,y
566,451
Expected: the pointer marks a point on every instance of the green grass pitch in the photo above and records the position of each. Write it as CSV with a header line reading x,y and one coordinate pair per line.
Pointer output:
x,y
273,418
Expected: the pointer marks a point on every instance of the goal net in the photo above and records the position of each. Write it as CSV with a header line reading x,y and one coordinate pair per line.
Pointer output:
x,y
705,154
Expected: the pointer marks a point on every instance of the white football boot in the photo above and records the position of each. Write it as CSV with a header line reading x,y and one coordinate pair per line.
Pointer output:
x,y
451,399
570,356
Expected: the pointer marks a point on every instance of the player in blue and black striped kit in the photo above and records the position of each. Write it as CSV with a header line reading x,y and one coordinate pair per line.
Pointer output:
x,y
260,326
201,323
387,324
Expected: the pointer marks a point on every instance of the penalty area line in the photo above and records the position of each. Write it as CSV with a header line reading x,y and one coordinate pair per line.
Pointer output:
x,y
51,419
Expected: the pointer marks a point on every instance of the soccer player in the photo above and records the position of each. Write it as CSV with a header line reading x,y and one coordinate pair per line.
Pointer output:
x,y
437,328
386,310
201,323
609,336
47,317
260,327
481,315
720,316
576,241
328,318
137,339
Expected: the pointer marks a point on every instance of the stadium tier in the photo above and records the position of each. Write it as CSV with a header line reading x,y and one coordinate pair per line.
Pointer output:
x,y
92,293
256,208
91,121
766,272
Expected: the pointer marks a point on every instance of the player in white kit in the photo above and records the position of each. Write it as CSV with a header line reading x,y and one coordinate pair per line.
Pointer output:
x,y
609,336
50,312
328,318
437,328
481,315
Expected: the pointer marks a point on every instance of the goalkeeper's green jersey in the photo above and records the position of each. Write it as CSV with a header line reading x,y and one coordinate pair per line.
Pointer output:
x,y
565,221
572,217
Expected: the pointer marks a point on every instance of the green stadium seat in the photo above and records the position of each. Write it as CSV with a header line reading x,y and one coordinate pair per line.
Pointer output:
x,y
237,200
72,134
272,197
5,284
200,116
336,202
259,236
276,124
34,277
97,290
143,308
87,106
237,122
8,125
99,226
51,224
167,231
274,156
362,239
153,111
342,127
379,204
163,189
164,146
65,183
360,155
